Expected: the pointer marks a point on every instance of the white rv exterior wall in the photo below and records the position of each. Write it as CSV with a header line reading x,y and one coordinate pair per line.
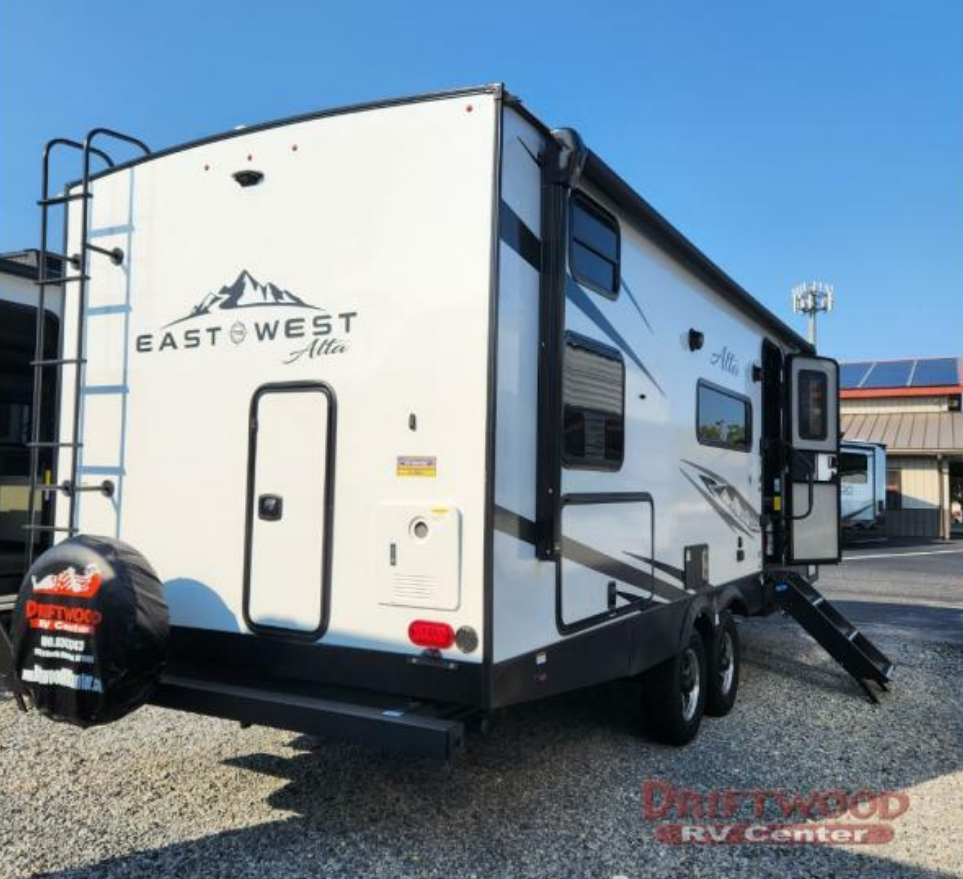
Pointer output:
x,y
660,430
380,219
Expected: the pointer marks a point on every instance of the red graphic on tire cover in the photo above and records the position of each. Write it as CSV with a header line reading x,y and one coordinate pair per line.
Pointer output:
x,y
69,582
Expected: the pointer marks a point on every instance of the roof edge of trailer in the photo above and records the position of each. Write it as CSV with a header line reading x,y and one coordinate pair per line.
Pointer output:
x,y
597,172
591,165
593,168
492,88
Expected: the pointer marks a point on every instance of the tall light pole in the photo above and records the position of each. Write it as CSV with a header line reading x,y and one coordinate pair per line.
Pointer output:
x,y
811,298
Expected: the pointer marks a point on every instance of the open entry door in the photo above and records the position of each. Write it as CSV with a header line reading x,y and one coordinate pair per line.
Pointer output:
x,y
813,466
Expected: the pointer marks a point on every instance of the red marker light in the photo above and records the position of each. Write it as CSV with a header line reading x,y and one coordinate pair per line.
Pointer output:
x,y
426,633
469,108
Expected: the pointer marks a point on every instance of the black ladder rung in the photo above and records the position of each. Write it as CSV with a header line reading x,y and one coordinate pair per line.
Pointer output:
x,y
60,361
67,279
58,528
63,199
852,634
54,445
106,487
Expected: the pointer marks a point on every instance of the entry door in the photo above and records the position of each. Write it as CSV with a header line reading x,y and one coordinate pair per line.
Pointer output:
x,y
289,509
813,465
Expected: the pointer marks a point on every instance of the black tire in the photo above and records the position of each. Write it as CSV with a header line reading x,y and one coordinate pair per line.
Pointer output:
x,y
674,695
724,663
90,631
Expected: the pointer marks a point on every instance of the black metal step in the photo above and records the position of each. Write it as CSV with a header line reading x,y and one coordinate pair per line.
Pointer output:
x,y
389,722
836,634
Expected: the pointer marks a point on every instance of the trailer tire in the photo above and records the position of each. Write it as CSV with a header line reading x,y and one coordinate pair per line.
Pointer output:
x,y
90,631
724,663
674,695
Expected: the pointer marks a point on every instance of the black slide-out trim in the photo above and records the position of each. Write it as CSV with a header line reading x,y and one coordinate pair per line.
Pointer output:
x,y
520,238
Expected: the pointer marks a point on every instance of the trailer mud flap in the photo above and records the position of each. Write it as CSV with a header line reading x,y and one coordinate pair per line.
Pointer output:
x,y
290,504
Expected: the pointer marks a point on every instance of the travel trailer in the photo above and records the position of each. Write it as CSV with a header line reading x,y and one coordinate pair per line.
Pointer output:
x,y
862,480
418,410
18,334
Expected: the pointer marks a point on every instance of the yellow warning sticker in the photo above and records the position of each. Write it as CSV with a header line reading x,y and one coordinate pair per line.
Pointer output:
x,y
776,503
417,466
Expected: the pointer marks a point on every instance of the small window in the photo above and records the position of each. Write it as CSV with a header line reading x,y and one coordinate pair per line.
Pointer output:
x,y
894,490
853,469
593,394
813,405
723,418
594,247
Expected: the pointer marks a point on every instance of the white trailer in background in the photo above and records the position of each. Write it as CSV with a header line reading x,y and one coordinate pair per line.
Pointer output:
x,y
420,410
862,476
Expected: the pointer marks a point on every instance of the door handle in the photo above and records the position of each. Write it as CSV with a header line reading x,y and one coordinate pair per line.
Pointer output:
x,y
270,507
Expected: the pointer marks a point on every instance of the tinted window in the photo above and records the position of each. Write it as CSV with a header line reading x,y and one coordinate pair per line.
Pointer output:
x,y
593,392
853,468
723,418
813,404
594,246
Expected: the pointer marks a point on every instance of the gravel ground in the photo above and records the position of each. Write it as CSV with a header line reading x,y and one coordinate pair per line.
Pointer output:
x,y
553,791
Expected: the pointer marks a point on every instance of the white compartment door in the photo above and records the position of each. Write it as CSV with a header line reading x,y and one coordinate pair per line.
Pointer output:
x,y
289,509
606,567
813,439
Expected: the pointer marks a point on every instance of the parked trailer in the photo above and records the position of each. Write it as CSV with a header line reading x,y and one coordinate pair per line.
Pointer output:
x,y
18,333
862,475
421,411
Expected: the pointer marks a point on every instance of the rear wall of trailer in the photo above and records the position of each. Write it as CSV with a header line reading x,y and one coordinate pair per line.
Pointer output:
x,y
361,261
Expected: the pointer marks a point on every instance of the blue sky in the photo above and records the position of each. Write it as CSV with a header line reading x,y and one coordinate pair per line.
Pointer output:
x,y
788,140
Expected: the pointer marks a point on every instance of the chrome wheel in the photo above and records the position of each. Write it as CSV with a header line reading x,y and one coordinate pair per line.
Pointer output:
x,y
727,666
691,685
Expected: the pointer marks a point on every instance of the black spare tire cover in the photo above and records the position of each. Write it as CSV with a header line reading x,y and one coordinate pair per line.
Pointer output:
x,y
90,631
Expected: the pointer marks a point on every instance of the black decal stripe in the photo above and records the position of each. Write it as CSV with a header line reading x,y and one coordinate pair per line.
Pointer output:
x,y
635,302
727,484
524,529
519,237
671,570
528,150
578,297
726,516
855,513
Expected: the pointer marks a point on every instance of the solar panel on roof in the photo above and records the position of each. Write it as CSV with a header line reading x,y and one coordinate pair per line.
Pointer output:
x,y
851,374
892,374
938,371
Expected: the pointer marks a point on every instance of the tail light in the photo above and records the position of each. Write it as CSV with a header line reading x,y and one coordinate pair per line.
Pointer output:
x,y
426,633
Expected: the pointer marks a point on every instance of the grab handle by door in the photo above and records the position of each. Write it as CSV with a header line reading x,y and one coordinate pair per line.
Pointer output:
x,y
270,507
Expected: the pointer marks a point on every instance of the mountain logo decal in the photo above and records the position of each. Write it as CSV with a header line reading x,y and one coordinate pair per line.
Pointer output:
x,y
245,292
246,314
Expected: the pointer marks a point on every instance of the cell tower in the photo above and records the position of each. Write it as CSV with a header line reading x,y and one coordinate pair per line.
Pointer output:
x,y
810,299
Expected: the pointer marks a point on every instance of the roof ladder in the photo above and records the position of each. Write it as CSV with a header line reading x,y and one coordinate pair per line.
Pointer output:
x,y
44,453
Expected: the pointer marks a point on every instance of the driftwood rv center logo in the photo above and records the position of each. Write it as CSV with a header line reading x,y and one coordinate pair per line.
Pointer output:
x,y
262,314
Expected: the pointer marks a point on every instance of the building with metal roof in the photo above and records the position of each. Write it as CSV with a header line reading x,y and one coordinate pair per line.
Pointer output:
x,y
913,407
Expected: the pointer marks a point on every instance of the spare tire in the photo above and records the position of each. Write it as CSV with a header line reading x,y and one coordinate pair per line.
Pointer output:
x,y
90,631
